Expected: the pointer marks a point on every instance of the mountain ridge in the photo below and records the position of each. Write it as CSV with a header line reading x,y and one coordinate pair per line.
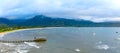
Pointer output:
x,y
44,21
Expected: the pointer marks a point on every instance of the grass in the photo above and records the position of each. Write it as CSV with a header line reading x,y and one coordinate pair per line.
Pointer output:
x,y
8,29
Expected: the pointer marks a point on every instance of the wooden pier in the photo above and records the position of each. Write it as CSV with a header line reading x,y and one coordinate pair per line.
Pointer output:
x,y
20,41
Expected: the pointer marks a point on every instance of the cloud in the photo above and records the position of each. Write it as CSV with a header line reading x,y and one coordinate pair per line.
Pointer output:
x,y
93,10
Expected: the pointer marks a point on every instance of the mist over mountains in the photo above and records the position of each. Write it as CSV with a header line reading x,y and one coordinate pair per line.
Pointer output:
x,y
44,21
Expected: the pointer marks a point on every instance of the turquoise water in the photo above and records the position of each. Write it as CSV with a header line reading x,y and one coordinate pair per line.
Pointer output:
x,y
65,40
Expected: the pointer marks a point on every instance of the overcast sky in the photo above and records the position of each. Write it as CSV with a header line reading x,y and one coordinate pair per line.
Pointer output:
x,y
93,10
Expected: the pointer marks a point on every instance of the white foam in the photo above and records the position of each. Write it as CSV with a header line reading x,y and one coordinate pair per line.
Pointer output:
x,y
118,38
22,48
17,48
104,47
32,44
2,50
77,50
14,48
22,51
9,44
99,42
94,34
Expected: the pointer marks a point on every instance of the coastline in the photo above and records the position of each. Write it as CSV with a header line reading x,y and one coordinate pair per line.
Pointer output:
x,y
6,32
12,31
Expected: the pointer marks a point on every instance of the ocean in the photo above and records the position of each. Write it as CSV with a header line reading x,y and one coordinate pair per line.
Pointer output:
x,y
64,40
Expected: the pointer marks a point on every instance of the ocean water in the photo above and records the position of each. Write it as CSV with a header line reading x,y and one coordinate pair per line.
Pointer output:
x,y
65,40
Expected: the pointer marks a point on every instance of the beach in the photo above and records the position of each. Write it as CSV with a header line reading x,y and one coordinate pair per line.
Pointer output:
x,y
7,32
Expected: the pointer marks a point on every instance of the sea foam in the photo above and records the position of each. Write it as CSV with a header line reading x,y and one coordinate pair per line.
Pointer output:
x,y
104,47
33,44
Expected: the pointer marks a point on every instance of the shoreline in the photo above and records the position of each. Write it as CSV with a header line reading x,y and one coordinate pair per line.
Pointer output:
x,y
12,31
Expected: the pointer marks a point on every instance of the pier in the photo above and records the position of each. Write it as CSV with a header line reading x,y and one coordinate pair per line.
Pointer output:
x,y
20,41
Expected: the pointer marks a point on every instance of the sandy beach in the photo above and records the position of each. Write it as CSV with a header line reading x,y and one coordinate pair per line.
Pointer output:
x,y
7,32
4,33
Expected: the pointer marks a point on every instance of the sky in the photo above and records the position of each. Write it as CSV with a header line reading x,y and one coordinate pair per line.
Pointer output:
x,y
92,10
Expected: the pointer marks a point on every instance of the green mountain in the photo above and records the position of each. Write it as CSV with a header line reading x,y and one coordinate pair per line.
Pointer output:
x,y
41,20
44,21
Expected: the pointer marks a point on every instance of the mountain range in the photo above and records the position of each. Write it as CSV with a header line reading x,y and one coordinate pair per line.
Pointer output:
x,y
44,21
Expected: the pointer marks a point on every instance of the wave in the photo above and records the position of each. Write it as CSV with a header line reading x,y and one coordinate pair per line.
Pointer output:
x,y
18,47
33,44
104,47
